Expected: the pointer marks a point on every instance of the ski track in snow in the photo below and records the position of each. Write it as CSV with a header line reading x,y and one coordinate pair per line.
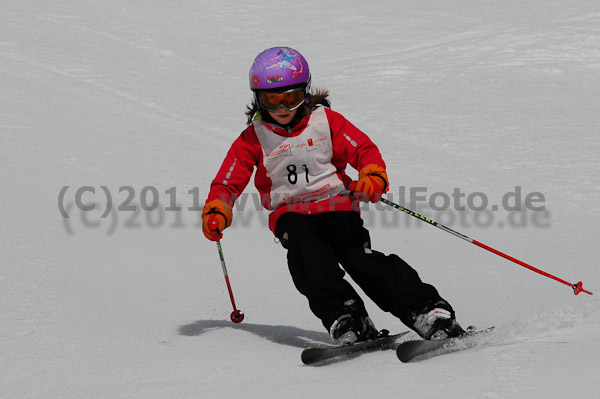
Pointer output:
x,y
479,95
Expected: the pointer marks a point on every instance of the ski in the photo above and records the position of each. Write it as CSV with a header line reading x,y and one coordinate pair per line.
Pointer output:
x,y
410,350
384,341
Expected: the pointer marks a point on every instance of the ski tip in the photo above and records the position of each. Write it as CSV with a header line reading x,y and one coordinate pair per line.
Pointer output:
x,y
409,350
472,330
328,354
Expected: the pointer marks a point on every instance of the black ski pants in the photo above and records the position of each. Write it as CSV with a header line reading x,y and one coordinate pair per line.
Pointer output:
x,y
318,244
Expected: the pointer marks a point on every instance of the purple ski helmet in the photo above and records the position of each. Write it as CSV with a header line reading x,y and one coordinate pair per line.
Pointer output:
x,y
279,67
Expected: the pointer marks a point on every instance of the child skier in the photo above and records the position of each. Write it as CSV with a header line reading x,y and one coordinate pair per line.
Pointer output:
x,y
300,149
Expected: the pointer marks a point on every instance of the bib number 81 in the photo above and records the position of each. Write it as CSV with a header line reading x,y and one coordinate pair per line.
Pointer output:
x,y
293,175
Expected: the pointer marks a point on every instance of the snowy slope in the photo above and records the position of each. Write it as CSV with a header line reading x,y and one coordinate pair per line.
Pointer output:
x,y
482,96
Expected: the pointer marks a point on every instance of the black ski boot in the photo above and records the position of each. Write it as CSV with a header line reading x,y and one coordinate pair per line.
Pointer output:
x,y
351,327
437,321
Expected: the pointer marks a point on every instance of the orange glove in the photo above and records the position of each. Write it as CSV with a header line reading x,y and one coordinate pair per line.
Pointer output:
x,y
372,182
216,217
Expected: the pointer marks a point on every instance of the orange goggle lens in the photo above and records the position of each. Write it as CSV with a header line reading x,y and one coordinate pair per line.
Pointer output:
x,y
290,100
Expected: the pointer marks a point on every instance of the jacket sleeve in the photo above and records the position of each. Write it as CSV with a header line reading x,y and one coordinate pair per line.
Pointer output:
x,y
350,145
237,168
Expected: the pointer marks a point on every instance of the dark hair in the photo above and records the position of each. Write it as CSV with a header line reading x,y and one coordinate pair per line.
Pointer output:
x,y
316,98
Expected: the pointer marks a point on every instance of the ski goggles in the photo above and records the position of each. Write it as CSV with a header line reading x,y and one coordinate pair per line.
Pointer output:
x,y
290,100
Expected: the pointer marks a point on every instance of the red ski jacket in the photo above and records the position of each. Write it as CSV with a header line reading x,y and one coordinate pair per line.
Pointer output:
x,y
301,170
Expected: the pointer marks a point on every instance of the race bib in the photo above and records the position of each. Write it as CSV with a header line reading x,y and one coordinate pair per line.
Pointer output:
x,y
300,167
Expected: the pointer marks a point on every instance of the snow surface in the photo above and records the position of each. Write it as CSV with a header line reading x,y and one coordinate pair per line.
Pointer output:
x,y
477,95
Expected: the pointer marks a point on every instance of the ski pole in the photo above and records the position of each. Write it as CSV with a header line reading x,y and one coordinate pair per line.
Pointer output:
x,y
577,288
236,316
